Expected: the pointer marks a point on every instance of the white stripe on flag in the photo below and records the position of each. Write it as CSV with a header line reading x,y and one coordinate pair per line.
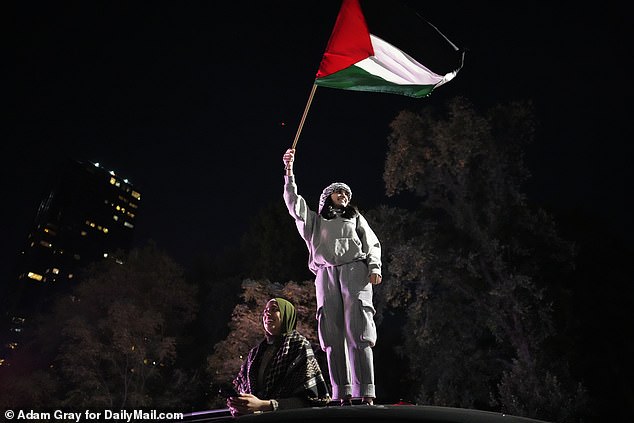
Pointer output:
x,y
397,67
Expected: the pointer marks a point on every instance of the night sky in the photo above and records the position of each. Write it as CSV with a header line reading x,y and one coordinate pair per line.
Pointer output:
x,y
195,103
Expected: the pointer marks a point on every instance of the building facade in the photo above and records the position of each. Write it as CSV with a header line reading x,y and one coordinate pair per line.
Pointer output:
x,y
89,214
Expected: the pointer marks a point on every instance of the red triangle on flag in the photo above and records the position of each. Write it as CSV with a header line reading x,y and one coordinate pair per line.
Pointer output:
x,y
349,42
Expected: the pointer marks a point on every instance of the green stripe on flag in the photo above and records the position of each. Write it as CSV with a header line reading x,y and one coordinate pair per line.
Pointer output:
x,y
356,79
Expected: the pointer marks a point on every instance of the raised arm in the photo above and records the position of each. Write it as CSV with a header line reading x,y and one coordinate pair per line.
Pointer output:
x,y
289,158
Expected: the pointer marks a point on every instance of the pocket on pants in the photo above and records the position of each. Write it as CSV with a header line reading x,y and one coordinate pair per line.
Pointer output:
x,y
322,330
368,332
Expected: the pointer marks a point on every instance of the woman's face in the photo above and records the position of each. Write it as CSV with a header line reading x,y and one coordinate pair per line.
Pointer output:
x,y
340,198
272,318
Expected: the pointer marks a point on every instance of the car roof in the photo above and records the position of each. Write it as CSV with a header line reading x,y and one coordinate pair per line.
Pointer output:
x,y
364,414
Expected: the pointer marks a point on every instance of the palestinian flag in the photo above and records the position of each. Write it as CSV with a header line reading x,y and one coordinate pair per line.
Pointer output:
x,y
356,59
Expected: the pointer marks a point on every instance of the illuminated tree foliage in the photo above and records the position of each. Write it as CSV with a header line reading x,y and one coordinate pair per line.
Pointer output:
x,y
246,329
472,266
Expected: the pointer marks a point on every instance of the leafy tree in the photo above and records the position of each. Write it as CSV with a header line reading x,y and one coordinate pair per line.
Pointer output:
x,y
272,248
473,266
22,387
218,293
114,339
246,329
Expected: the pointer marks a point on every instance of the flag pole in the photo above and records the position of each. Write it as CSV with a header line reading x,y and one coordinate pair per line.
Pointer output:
x,y
301,123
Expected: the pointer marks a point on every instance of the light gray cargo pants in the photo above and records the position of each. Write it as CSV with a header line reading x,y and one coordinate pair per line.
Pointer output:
x,y
347,332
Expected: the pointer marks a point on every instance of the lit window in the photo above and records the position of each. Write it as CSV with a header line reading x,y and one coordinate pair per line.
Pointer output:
x,y
128,225
84,233
115,217
136,195
45,244
55,271
35,276
113,181
105,230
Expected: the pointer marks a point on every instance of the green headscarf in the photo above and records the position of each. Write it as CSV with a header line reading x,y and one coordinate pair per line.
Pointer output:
x,y
288,315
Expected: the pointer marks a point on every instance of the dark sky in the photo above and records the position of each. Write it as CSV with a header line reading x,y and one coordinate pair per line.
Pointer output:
x,y
195,103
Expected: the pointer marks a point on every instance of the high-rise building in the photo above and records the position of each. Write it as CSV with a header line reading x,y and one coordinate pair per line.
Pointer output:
x,y
88,215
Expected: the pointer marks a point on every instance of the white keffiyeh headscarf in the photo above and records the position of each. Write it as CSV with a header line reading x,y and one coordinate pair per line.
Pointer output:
x,y
335,186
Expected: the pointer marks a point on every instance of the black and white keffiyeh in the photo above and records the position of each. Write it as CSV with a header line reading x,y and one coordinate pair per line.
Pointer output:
x,y
293,371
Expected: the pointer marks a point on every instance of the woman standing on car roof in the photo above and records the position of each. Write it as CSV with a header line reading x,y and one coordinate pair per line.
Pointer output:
x,y
345,256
